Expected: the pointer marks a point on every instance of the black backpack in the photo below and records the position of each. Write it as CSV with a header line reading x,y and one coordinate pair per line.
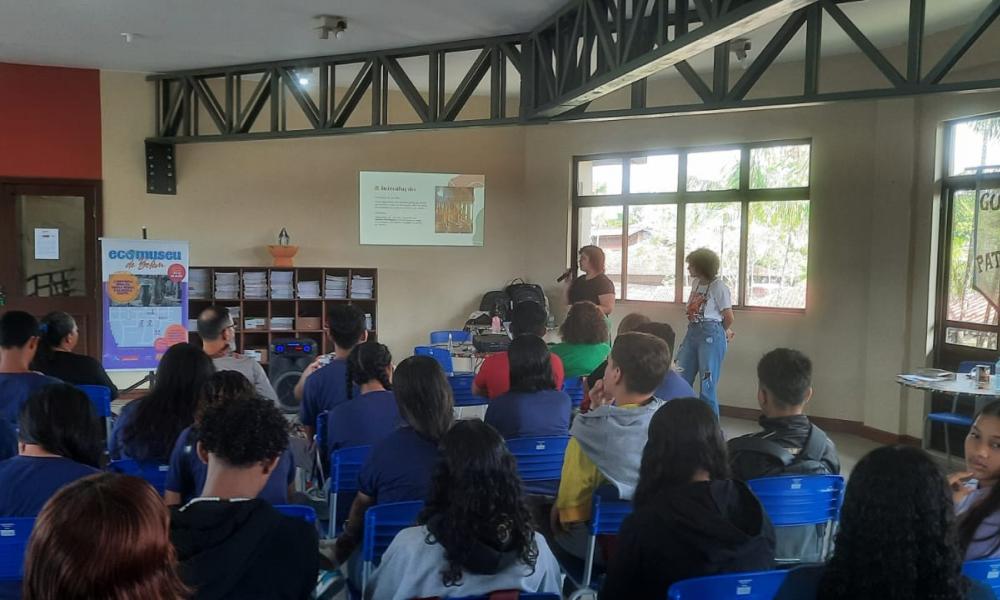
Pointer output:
x,y
518,291
806,462
497,302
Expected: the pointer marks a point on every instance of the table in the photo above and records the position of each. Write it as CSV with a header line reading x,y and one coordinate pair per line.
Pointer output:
x,y
962,385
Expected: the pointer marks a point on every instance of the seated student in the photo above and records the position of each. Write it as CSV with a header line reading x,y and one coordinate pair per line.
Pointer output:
x,y
493,378
673,385
60,442
584,342
103,536
55,356
475,535
148,427
188,473
789,443
230,543
690,519
322,387
896,538
607,442
218,336
399,467
533,406
977,497
371,416
18,344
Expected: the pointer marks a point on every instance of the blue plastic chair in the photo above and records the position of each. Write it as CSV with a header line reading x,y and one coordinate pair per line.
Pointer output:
x,y
606,519
457,337
319,443
14,534
382,523
155,474
952,417
100,397
439,354
345,467
986,570
299,511
796,501
461,387
573,386
760,585
539,462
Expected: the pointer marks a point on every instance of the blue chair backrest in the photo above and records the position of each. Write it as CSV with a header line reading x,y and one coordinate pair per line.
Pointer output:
x,y
154,473
461,387
986,570
14,534
322,427
573,386
966,366
306,513
607,515
792,500
762,585
439,354
345,467
520,596
457,337
539,458
382,523
100,397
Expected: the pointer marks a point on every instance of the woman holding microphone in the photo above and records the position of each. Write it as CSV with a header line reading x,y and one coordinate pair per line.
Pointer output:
x,y
593,286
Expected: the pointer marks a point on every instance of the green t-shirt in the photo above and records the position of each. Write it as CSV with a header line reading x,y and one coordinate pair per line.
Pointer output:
x,y
581,359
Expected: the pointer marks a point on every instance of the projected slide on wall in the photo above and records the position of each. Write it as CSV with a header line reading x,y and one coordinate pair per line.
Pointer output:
x,y
422,209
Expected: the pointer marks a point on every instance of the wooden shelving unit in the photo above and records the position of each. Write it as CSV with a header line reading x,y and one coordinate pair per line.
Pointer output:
x,y
312,309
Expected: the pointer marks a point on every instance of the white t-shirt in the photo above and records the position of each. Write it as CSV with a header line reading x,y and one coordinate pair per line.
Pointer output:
x,y
708,300
251,369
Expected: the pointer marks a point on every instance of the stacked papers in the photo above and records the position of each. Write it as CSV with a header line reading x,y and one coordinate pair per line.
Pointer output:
x,y
255,323
336,287
198,284
362,287
281,285
227,286
308,289
255,285
282,323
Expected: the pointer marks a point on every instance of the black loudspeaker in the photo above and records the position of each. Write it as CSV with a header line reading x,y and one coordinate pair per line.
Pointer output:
x,y
288,359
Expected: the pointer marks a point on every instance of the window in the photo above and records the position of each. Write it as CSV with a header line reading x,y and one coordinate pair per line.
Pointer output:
x,y
749,203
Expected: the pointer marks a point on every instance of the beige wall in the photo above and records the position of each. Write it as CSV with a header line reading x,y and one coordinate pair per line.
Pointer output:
x,y
872,242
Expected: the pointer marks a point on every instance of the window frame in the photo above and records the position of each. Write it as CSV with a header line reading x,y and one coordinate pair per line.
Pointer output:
x,y
681,198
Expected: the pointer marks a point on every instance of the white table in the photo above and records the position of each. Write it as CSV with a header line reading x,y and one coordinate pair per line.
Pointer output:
x,y
962,385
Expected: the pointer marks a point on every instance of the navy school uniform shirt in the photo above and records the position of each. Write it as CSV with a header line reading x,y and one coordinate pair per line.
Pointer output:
x,y
187,473
8,440
15,389
27,482
399,468
531,414
363,420
325,388
674,386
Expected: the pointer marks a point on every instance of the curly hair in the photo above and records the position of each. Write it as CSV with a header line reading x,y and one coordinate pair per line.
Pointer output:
x,y
244,431
897,506
476,496
222,386
705,262
103,536
368,361
684,436
584,324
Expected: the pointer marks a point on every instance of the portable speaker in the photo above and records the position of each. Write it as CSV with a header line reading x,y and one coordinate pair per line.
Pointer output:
x,y
289,358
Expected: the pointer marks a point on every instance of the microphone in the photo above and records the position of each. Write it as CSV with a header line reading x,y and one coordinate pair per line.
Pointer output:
x,y
565,274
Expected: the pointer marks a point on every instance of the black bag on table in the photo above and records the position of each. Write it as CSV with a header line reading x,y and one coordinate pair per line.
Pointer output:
x,y
519,292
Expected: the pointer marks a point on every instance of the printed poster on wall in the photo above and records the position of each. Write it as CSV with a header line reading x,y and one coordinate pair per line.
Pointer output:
x,y
986,245
144,300
422,209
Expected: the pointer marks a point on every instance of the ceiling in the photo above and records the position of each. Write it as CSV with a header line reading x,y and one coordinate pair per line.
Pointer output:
x,y
183,34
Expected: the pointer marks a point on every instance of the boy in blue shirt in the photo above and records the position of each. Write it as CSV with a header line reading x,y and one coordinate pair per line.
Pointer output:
x,y
18,344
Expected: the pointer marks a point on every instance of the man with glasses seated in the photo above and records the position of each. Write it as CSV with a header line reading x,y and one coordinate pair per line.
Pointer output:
x,y
218,336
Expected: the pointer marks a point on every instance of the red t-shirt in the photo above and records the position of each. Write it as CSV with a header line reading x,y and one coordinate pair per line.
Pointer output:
x,y
493,377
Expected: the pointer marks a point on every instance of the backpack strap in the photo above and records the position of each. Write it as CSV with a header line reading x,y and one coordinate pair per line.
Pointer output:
x,y
815,445
762,446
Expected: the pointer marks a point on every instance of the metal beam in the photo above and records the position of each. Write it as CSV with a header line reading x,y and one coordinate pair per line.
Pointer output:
x,y
964,42
739,21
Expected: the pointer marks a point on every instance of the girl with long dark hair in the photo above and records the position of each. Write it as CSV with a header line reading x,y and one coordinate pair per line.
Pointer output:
x,y
976,494
475,534
533,406
55,357
690,519
59,441
896,539
371,416
149,426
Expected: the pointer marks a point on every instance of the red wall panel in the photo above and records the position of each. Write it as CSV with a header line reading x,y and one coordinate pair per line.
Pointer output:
x,y
50,122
